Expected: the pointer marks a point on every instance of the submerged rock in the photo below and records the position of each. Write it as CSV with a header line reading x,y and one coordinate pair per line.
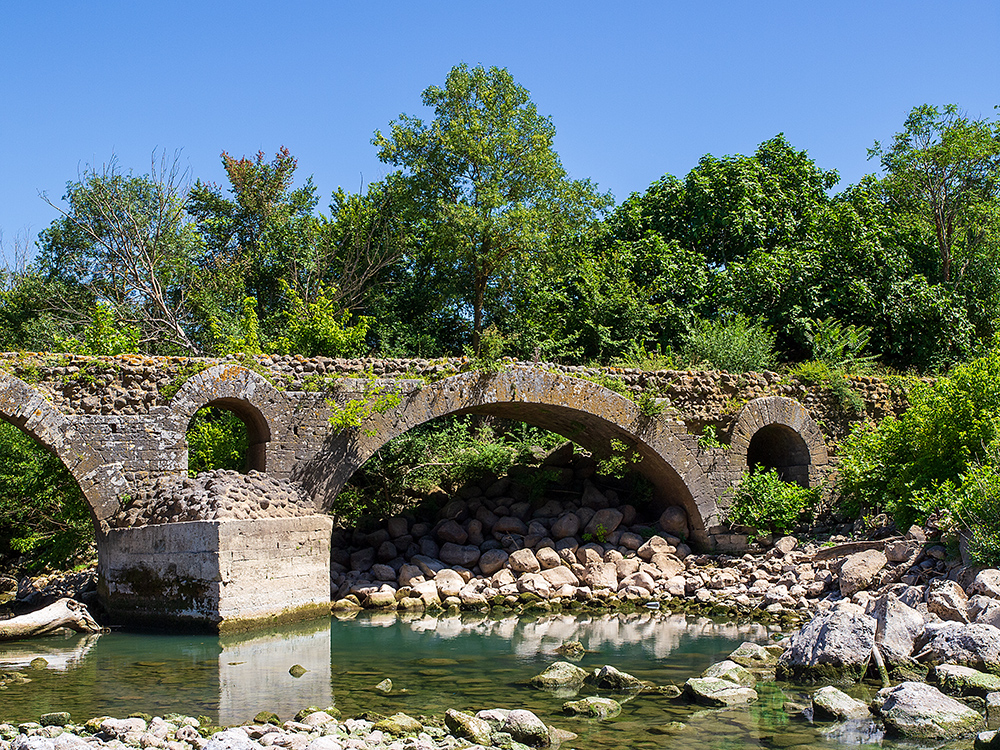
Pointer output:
x,y
753,656
920,711
594,707
711,691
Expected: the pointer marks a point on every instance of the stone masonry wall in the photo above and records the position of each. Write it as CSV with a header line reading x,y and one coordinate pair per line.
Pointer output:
x,y
136,384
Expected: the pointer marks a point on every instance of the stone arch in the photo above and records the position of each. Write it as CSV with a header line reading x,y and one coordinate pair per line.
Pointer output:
x,y
29,410
777,432
239,390
580,410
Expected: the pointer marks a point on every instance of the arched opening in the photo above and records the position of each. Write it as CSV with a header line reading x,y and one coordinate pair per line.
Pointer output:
x,y
45,519
227,434
781,448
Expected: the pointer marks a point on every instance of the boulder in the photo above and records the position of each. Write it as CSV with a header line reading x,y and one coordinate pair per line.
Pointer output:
x,y
858,571
548,558
604,522
987,583
832,704
962,682
919,711
601,575
711,691
510,525
523,561
732,672
232,739
989,740
567,525
560,576
785,544
653,545
449,583
524,727
399,724
898,628
466,555
467,727
560,674
609,678
674,521
834,646
975,645
947,600
492,560
594,707
993,711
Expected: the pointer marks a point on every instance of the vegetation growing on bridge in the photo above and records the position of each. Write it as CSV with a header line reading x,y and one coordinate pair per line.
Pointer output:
x,y
482,243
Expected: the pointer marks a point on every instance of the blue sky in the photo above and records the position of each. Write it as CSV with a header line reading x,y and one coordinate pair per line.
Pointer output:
x,y
635,89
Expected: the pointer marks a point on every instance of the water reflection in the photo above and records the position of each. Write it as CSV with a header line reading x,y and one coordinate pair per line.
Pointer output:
x,y
60,652
254,672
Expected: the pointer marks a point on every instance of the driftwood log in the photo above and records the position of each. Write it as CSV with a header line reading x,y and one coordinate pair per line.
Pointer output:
x,y
65,613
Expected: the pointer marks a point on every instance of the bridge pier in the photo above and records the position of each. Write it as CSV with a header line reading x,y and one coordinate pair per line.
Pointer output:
x,y
217,576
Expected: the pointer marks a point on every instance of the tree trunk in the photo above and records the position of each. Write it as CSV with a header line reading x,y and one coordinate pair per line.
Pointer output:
x,y
65,613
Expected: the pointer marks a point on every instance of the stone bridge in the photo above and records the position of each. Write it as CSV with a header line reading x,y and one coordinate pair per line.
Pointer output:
x,y
118,423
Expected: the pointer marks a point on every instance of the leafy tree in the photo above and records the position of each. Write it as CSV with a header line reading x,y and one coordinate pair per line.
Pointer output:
x,y
943,169
126,240
267,243
491,188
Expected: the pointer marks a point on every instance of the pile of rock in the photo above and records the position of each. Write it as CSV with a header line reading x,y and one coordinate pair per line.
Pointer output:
x,y
215,495
310,730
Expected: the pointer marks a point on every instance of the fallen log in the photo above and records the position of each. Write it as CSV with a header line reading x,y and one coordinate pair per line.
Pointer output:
x,y
65,613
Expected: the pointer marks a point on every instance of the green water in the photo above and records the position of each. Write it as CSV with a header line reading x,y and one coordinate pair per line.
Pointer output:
x,y
467,663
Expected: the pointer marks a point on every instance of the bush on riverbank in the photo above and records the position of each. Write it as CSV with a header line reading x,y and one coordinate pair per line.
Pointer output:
x,y
764,501
940,457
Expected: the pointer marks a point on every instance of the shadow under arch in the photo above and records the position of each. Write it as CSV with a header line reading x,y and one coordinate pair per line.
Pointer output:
x,y
582,411
775,432
236,389
29,410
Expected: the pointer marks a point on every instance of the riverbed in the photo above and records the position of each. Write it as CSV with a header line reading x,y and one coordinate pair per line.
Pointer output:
x,y
466,662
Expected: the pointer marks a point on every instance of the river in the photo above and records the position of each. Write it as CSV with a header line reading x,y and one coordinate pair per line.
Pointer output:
x,y
467,662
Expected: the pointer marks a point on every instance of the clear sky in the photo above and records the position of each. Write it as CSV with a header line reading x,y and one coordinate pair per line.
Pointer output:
x,y
635,89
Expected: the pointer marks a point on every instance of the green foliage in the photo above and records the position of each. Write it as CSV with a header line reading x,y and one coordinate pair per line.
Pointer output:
x,y
320,328
764,502
735,344
817,372
45,520
639,357
952,424
375,399
105,336
490,356
621,460
217,439
708,438
838,345
445,453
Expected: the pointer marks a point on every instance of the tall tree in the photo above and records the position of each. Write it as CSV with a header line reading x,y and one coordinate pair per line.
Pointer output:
x,y
490,184
943,169
128,241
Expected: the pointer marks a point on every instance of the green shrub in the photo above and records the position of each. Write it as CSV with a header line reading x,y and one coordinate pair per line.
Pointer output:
x,y
44,518
445,453
765,502
217,439
840,346
951,426
735,344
